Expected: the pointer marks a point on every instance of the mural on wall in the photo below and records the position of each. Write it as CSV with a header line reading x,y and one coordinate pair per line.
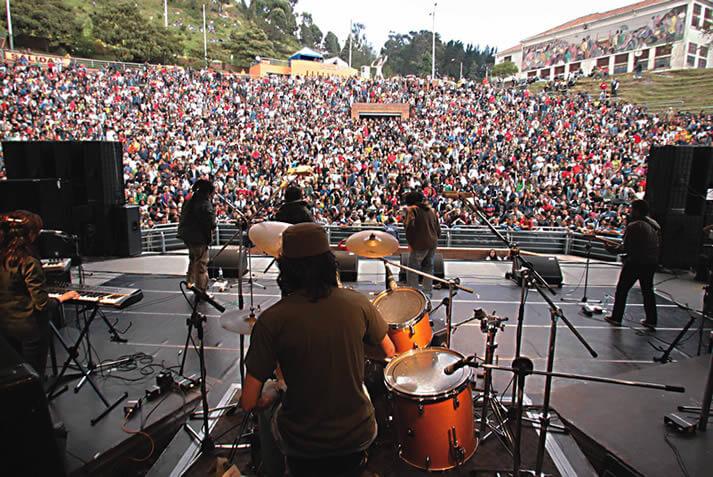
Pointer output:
x,y
662,27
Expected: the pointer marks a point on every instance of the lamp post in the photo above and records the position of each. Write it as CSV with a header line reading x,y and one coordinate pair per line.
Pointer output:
x,y
433,43
9,25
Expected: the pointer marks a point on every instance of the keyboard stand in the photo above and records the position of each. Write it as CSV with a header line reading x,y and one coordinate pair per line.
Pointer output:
x,y
72,357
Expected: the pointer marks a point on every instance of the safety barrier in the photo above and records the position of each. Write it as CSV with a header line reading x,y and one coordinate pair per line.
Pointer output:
x,y
547,240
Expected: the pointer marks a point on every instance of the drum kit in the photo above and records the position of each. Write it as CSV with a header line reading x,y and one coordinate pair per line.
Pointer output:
x,y
430,389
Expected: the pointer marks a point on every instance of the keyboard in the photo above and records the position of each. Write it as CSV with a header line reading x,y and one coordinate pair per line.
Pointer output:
x,y
113,297
56,264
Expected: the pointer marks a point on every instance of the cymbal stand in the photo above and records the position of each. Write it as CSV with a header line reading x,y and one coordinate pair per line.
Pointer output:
x,y
523,367
196,321
452,284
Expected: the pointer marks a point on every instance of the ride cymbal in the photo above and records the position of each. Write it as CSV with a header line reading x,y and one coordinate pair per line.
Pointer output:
x,y
372,244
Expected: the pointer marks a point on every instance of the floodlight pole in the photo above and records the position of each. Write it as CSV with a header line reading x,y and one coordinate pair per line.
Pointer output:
x,y
351,30
165,13
9,24
205,39
433,43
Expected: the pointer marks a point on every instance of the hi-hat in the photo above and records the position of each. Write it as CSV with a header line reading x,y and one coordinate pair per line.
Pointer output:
x,y
267,236
372,244
238,321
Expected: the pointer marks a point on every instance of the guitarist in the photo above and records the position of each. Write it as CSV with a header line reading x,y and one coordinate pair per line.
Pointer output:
x,y
641,245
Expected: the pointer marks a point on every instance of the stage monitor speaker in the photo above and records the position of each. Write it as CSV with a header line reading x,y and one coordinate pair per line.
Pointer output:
x,y
127,233
228,261
680,240
348,264
547,266
438,269
49,198
30,447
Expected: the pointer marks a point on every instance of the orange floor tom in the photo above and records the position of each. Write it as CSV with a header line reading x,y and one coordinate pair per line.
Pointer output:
x,y
433,412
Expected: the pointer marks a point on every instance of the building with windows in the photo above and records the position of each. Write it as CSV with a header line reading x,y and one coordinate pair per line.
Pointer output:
x,y
647,35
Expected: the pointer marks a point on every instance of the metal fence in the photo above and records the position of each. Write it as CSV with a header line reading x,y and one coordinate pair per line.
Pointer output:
x,y
549,240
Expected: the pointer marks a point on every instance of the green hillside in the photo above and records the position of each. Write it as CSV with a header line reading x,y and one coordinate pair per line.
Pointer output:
x,y
133,30
683,90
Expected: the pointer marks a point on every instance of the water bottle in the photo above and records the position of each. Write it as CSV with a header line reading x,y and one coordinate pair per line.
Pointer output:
x,y
220,273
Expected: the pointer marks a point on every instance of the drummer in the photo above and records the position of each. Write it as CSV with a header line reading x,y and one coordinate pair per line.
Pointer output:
x,y
317,333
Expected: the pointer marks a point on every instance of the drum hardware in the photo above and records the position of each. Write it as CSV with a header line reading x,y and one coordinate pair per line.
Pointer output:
x,y
196,321
491,405
523,367
380,244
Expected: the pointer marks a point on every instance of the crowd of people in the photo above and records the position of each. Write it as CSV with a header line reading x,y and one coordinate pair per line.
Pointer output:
x,y
532,159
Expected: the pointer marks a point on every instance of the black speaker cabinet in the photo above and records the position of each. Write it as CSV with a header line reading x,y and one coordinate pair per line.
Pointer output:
x,y
228,261
680,240
94,168
49,198
29,445
547,266
127,231
438,269
348,264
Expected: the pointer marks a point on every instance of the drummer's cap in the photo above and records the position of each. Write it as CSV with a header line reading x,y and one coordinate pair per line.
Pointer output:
x,y
304,240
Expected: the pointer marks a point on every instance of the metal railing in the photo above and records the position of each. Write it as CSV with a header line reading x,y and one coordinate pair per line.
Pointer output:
x,y
548,240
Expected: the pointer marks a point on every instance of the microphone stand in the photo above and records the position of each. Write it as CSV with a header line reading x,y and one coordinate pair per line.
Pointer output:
x,y
528,275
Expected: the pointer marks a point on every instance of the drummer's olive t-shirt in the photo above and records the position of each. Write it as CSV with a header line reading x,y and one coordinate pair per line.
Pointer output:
x,y
320,348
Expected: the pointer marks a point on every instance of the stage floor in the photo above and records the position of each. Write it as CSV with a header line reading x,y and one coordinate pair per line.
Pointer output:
x,y
156,326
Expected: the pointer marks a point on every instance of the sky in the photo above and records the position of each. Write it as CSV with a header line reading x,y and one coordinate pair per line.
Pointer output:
x,y
500,23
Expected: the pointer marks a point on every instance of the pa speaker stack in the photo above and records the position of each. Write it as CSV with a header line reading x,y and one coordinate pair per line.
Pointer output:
x,y
76,187
679,190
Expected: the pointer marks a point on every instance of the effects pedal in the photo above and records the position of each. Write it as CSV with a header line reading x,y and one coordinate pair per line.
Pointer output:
x,y
679,424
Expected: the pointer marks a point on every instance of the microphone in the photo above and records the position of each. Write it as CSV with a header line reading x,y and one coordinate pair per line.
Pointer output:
x,y
452,368
205,297
390,282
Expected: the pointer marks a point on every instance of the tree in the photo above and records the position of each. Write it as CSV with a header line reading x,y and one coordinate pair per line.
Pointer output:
x,y
331,44
362,53
248,43
51,20
504,69
310,34
122,29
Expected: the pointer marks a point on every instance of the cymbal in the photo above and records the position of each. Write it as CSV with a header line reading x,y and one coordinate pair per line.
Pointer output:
x,y
301,170
372,244
267,236
237,321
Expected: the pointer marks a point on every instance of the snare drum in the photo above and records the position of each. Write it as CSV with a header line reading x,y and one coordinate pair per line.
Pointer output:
x,y
406,310
433,411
